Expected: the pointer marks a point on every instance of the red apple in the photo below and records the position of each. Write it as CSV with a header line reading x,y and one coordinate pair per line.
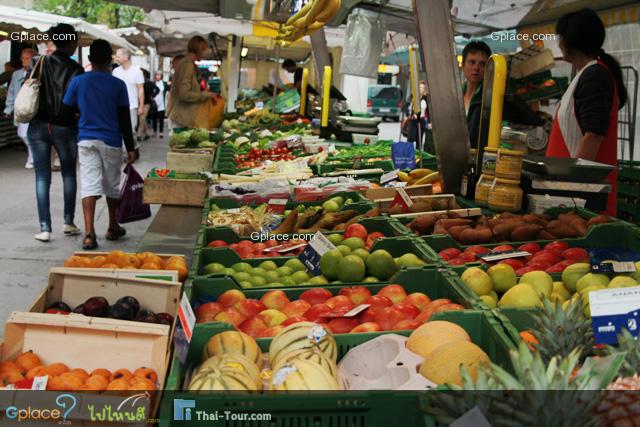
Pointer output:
x,y
448,307
388,317
557,268
274,299
366,327
272,331
231,297
410,310
467,257
557,246
217,244
230,315
547,256
407,325
356,230
254,327
317,312
477,250
296,308
272,317
449,253
513,262
395,293
316,296
576,254
418,299
524,270
532,248
457,261
356,294
342,325
378,301
339,301
428,310
208,311
375,235
292,320
249,307
502,248
369,315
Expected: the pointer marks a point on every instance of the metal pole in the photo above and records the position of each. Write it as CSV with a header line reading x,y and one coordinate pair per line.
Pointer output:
x,y
320,52
275,83
446,106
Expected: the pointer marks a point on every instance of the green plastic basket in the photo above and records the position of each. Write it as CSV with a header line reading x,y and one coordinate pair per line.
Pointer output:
x,y
328,409
629,191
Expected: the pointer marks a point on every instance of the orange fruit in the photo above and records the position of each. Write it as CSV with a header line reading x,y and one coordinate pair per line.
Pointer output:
x,y
10,377
57,369
71,381
55,383
122,373
77,262
156,260
80,373
141,384
129,267
38,371
146,373
102,372
96,382
109,265
150,266
10,365
119,384
133,261
27,361
114,257
176,259
98,261
142,256
182,270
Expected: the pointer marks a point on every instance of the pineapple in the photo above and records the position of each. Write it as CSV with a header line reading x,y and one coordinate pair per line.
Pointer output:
x,y
560,331
536,394
630,345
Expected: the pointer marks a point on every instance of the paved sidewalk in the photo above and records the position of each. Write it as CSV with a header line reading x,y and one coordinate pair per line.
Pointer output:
x,y
24,262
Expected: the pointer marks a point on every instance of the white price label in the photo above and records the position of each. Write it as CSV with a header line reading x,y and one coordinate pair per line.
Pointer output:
x,y
389,176
260,105
40,383
321,244
233,210
356,310
623,267
186,316
404,196
503,255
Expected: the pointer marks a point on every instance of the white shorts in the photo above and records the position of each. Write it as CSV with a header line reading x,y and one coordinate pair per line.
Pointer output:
x,y
100,169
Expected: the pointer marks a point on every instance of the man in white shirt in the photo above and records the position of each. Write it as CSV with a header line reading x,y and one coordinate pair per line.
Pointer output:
x,y
134,80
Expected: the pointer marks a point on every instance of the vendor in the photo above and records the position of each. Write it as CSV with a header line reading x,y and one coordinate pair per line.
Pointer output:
x,y
290,66
474,58
586,122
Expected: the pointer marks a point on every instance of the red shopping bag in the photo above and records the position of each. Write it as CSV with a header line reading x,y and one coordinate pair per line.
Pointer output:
x,y
132,207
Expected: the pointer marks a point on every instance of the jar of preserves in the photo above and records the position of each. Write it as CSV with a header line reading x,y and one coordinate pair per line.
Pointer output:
x,y
482,189
489,158
505,195
509,164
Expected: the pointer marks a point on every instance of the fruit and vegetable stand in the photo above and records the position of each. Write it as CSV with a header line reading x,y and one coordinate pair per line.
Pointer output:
x,y
368,293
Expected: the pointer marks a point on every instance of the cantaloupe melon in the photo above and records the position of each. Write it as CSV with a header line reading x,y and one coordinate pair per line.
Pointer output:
x,y
303,375
237,342
312,355
303,335
222,379
442,366
233,361
431,335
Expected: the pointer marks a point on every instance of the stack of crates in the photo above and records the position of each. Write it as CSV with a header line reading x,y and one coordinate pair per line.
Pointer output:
x,y
629,191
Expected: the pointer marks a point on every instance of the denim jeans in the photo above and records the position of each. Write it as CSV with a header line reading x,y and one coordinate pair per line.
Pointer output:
x,y
42,136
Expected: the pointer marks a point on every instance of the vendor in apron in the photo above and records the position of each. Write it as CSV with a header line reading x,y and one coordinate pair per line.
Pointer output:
x,y
586,122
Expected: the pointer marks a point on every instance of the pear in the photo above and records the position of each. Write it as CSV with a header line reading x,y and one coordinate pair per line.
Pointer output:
x,y
520,296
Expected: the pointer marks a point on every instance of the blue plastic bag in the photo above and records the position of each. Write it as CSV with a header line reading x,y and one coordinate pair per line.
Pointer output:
x,y
403,155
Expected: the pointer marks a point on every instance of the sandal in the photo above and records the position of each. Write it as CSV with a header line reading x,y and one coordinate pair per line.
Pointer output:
x,y
90,242
115,234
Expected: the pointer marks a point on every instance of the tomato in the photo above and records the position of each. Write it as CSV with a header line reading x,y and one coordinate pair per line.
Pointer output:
x,y
259,247
270,243
356,230
217,244
245,244
244,252
376,235
515,263
233,246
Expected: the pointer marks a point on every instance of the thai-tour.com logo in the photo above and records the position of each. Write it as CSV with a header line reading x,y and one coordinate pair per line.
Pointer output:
x,y
185,410
65,404
182,409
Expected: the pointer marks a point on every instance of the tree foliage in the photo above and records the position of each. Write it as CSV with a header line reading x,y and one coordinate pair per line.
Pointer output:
x,y
94,11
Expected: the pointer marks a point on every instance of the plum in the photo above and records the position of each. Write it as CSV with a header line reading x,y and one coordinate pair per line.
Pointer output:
x,y
131,301
96,307
59,305
145,316
164,318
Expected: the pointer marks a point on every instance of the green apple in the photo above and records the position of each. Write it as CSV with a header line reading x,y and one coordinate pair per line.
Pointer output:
x,y
540,280
478,280
503,277
520,296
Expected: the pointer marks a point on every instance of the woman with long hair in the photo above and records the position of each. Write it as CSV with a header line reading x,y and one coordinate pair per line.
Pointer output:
x,y
586,122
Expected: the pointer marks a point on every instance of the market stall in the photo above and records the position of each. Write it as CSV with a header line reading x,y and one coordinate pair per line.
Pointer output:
x,y
287,259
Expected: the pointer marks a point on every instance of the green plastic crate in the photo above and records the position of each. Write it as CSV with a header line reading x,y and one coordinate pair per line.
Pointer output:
x,y
325,168
629,191
330,409
396,246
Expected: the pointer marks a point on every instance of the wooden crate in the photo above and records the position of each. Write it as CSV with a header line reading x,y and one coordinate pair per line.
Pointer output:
x,y
449,198
190,161
388,193
87,343
176,192
170,275
75,286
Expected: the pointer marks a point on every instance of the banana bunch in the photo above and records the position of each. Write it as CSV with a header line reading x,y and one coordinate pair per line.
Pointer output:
x,y
310,18
418,176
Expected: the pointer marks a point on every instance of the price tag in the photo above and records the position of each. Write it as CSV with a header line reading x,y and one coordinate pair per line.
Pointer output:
x,y
389,176
497,256
285,248
356,310
402,198
40,383
260,105
233,210
311,255
614,267
186,316
612,310
277,206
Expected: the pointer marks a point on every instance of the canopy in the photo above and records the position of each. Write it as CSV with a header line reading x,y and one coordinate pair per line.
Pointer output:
x,y
134,36
13,19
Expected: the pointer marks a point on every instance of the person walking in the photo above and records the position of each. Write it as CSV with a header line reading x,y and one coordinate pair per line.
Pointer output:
x,y
55,126
150,91
17,79
158,118
5,77
105,121
186,95
134,80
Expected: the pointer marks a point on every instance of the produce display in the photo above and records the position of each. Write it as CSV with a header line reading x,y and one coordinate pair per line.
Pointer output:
x,y
419,176
391,308
506,227
255,156
125,308
192,138
21,371
424,204
139,261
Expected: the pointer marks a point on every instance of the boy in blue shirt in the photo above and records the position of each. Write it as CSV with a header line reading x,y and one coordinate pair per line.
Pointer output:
x,y
104,122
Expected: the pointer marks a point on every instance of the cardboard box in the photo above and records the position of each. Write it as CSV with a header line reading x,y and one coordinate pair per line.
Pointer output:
x,y
176,192
390,192
538,203
190,161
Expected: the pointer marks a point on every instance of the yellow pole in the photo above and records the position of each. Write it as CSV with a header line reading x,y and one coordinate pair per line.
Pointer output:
x,y
413,76
497,99
326,91
303,91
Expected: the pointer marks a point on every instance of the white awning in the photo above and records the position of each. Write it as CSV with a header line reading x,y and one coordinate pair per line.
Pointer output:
x,y
16,20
